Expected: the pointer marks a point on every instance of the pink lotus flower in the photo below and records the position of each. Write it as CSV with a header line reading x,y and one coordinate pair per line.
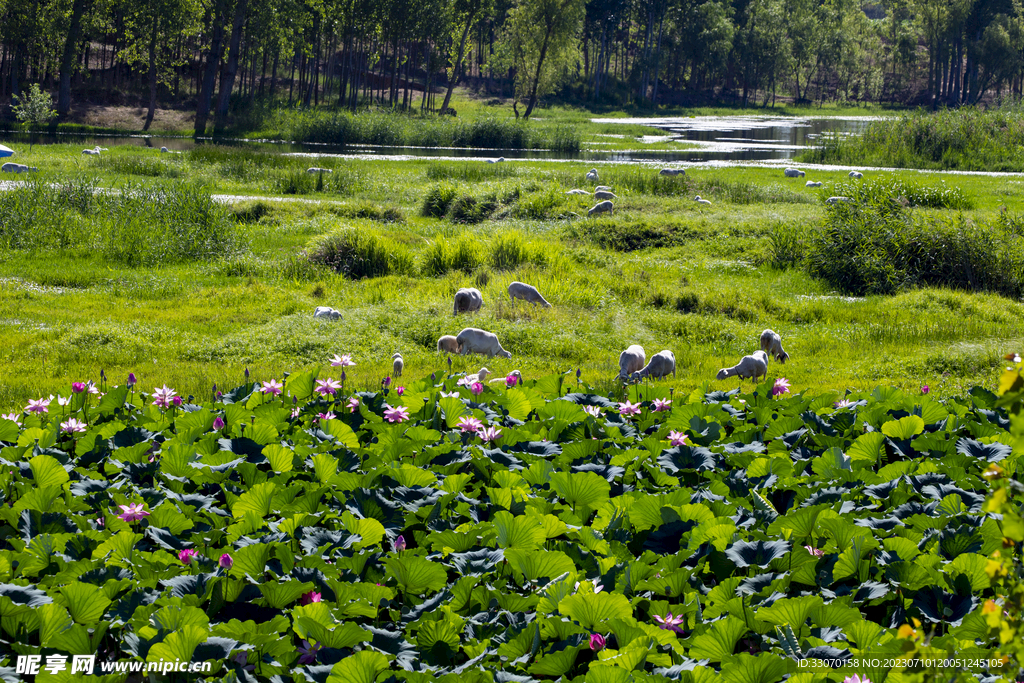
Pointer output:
x,y
399,414
596,642
463,382
78,387
816,552
73,425
661,404
477,388
400,544
133,513
242,659
131,379
677,438
308,652
628,408
511,381
162,396
12,417
490,434
352,404
669,623
225,561
326,416
842,403
272,386
469,424
218,422
176,401
39,405
327,387
925,389
309,598
399,390
187,555
343,361
781,387
296,412
593,411
445,394
386,382
856,678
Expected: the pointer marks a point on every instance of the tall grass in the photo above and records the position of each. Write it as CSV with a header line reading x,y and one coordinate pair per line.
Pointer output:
x,y
450,252
643,180
136,225
894,190
967,139
870,249
358,253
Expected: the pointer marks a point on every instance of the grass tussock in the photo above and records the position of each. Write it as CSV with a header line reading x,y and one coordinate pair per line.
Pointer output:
x,y
867,249
358,253
966,139
447,253
896,191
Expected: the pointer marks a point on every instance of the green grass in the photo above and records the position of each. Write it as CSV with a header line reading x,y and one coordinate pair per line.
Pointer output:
x,y
663,272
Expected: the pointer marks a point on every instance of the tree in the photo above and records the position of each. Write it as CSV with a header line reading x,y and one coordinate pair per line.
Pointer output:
x,y
35,107
540,44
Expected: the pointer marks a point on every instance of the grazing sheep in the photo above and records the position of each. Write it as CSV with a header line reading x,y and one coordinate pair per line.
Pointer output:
x,y
467,299
447,344
473,340
326,313
91,152
602,188
771,343
496,161
755,365
631,360
592,175
397,365
164,150
314,169
812,183
515,373
672,171
601,207
856,175
661,364
580,192
603,194
705,202
835,200
18,168
794,173
529,293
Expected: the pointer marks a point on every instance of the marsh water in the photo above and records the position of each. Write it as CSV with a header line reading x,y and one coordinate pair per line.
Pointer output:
x,y
700,139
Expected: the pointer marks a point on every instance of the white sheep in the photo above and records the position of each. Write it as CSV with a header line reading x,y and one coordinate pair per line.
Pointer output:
x,y
18,168
755,365
397,365
601,207
603,188
771,343
631,360
326,313
578,192
604,194
91,152
473,340
515,373
672,171
812,183
705,202
447,344
467,299
856,175
479,376
660,365
164,150
794,173
528,293
835,200
592,175
496,161
314,169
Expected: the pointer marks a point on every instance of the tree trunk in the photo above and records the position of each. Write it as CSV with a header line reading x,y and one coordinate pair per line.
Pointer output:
x,y
212,65
69,58
453,81
227,80
152,72
536,77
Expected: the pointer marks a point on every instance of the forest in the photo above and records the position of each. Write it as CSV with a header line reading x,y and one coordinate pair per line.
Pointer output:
x,y
220,57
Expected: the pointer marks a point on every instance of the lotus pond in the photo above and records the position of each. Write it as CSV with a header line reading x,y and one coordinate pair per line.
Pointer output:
x,y
519,531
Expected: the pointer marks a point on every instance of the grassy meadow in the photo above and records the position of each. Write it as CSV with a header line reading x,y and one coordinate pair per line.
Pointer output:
x,y
124,263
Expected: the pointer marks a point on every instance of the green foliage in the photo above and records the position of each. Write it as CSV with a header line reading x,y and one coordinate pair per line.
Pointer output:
x,y
34,107
358,253
438,199
451,252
